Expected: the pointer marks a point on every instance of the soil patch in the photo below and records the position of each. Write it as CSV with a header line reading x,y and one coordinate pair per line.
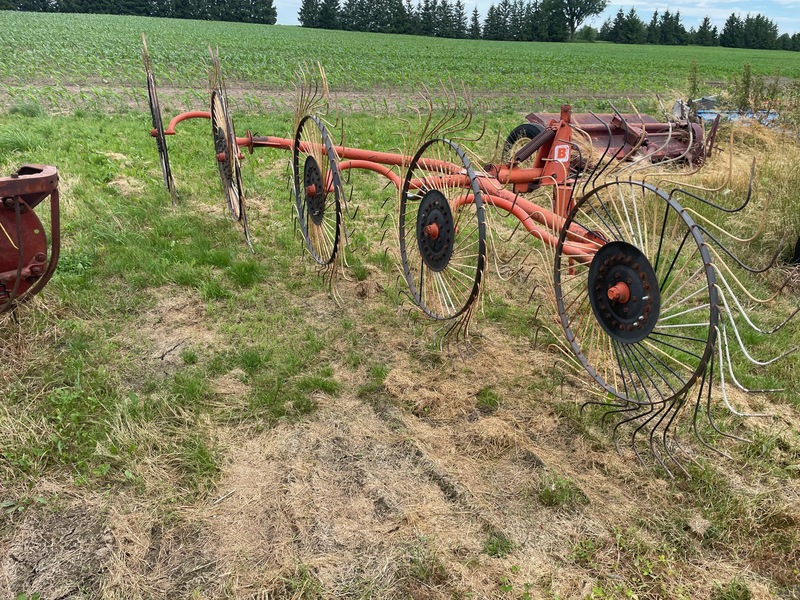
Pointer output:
x,y
57,554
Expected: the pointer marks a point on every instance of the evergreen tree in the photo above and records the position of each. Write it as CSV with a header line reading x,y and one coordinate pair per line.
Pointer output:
x,y
617,27
475,25
328,16
492,26
444,20
516,21
796,42
398,17
654,30
309,13
760,32
460,19
427,17
672,32
413,19
706,34
632,29
732,35
265,12
555,19
606,31
503,17
784,42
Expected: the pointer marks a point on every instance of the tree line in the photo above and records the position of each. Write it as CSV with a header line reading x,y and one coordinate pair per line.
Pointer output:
x,y
539,20
753,31
242,11
531,20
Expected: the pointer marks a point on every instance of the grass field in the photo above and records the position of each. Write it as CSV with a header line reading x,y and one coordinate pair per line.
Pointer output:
x,y
181,418
94,59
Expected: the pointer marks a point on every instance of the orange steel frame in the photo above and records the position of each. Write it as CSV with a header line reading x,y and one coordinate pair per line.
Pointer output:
x,y
550,167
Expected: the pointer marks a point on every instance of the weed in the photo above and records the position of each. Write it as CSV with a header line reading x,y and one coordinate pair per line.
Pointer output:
x,y
190,387
211,289
377,374
557,491
735,589
424,564
487,400
198,463
360,272
189,356
303,584
497,544
245,273
584,551
694,81
17,140
27,109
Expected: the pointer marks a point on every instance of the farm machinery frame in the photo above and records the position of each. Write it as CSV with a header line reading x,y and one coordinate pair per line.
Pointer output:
x,y
648,293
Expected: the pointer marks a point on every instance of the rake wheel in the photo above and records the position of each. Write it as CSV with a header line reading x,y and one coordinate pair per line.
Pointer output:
x,y
227,152
442,230
640,307
317,188
158,123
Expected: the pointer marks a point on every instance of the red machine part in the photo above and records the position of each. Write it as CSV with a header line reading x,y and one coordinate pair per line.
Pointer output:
x,y
24,264
620,135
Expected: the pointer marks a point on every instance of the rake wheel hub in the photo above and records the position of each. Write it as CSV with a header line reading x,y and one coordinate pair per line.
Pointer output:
x,y
435,230
314,191
623,291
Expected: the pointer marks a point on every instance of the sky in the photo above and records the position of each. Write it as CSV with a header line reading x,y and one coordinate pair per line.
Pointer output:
x,y
786,13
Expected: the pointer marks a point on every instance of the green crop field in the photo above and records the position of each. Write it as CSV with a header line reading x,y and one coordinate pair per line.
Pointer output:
x,y
100,55
181,417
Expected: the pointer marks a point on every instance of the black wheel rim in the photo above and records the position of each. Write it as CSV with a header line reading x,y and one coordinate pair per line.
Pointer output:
x,y
225,147
638,232
158,126
443,267
317,189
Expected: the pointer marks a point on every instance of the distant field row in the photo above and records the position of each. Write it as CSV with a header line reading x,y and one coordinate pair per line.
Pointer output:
x,y
98,50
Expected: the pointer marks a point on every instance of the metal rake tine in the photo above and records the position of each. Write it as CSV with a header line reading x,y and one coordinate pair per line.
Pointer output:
x,y
733,377
667,412
710,417
674,412
519,224
595,174
524,281
739,208
696,414
759,229
653,413
744,313
533,291
355,213
736,259
722,380
743,347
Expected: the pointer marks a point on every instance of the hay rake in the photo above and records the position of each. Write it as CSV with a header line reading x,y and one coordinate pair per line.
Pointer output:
x,y
643,287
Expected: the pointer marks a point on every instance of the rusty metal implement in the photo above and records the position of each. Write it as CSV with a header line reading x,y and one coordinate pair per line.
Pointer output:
x,y
27,257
